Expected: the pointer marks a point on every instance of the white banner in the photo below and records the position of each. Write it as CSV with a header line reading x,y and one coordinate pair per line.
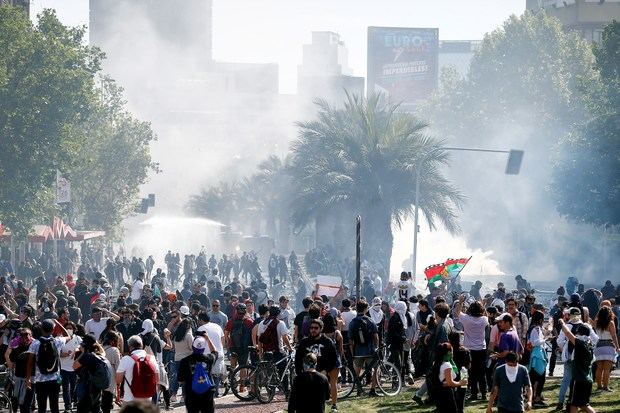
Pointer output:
x,y
63,189
328,285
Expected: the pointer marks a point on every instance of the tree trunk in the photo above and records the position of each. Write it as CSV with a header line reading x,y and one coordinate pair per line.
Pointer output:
x,y
377,238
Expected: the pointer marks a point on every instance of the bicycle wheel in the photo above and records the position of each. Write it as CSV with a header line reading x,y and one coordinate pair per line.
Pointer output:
x,y
5,403
266,379
345,383
388,378
242,382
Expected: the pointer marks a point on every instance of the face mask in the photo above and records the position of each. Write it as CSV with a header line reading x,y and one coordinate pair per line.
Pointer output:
x,y
511,372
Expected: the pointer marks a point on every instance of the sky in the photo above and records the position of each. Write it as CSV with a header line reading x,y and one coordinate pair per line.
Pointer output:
x,y
273,31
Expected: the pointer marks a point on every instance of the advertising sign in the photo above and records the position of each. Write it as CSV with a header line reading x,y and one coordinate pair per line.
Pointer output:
x,y
403,63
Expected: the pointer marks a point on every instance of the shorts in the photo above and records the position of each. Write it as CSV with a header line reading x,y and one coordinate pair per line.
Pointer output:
x,y
361,362
242,356
580,393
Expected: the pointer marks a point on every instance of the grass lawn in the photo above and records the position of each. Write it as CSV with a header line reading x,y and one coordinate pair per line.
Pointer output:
x,y
601,401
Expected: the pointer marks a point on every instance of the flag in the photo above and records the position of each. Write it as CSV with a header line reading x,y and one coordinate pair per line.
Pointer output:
x,y
454,266
445,271
434,272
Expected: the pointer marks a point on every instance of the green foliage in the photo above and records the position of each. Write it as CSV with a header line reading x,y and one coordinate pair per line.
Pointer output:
x,y
362,159
46,85
53,116
587,167
113,164
523,91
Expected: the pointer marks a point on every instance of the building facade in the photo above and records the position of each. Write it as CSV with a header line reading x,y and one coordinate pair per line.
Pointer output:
x,y
587,17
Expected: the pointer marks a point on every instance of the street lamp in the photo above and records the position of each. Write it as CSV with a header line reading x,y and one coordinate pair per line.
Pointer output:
x,y
515,157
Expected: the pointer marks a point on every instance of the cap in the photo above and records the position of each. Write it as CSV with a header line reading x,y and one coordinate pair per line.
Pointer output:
x,y
575,298
574,311
184,310
147,326
200,344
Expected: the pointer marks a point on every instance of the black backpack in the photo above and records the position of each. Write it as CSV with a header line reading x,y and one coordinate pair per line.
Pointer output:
x,y
47,358
571,346
101,376
359,332
240,335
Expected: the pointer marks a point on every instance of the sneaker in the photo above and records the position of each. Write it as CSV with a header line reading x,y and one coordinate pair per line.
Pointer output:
x,y
539,403
373,393
334,408
417,399
559,406
472,398
609,389
173,399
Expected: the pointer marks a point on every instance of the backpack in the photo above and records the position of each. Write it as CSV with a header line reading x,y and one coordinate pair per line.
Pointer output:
x,y
571,346
201,381
100,377
305,326
144,382
47,358
359,332
269,338
240,335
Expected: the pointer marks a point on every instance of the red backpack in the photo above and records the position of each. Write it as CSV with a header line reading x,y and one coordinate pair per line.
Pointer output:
x,y
144,382
269,338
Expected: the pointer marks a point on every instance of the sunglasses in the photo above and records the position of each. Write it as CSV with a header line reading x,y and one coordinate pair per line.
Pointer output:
x,y
215,305
315,328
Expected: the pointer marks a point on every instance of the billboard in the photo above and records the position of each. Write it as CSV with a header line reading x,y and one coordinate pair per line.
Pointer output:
x,y
402,63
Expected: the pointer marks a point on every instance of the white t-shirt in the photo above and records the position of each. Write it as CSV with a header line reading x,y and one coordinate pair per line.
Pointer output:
x,y
282,330
475,329
445,365
136,290
347,316
126,366
288,316
66,363
96,327
215,333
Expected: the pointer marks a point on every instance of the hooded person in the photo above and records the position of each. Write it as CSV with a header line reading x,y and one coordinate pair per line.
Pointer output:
x,y
375,313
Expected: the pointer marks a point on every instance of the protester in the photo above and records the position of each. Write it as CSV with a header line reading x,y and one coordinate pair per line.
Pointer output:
x,y
195,376
137,372
510,383
607,346
310,389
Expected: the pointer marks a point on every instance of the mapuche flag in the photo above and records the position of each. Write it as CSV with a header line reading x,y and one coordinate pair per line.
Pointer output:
x,y
446,271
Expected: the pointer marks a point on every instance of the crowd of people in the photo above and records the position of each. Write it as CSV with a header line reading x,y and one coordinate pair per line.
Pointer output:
x,y
132,334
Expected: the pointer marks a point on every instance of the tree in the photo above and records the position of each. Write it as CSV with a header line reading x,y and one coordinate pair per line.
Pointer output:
x,y
113,163
586,179
362,159
46,87
523,91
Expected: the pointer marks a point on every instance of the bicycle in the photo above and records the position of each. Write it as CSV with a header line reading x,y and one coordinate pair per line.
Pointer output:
x,y
6,405
268,379
386,375
242,380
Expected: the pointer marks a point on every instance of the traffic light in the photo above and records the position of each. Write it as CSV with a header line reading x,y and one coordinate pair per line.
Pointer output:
x,y
514,162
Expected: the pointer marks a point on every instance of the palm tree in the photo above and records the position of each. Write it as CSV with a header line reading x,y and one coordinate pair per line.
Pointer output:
x,y
362,158
221,202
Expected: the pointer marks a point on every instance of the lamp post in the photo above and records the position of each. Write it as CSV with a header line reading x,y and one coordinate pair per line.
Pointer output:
x,y
513,165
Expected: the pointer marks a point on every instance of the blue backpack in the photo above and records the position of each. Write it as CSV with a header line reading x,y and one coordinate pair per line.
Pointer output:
x,y
201,381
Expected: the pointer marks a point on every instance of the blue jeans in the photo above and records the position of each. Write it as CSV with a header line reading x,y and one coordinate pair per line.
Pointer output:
x,y
568,376
173,377
69,379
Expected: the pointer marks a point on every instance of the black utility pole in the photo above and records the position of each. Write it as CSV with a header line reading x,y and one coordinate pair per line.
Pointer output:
x,y
358,262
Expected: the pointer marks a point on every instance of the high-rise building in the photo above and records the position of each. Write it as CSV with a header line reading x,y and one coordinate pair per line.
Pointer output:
x,y
587,17
457,54
324,72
